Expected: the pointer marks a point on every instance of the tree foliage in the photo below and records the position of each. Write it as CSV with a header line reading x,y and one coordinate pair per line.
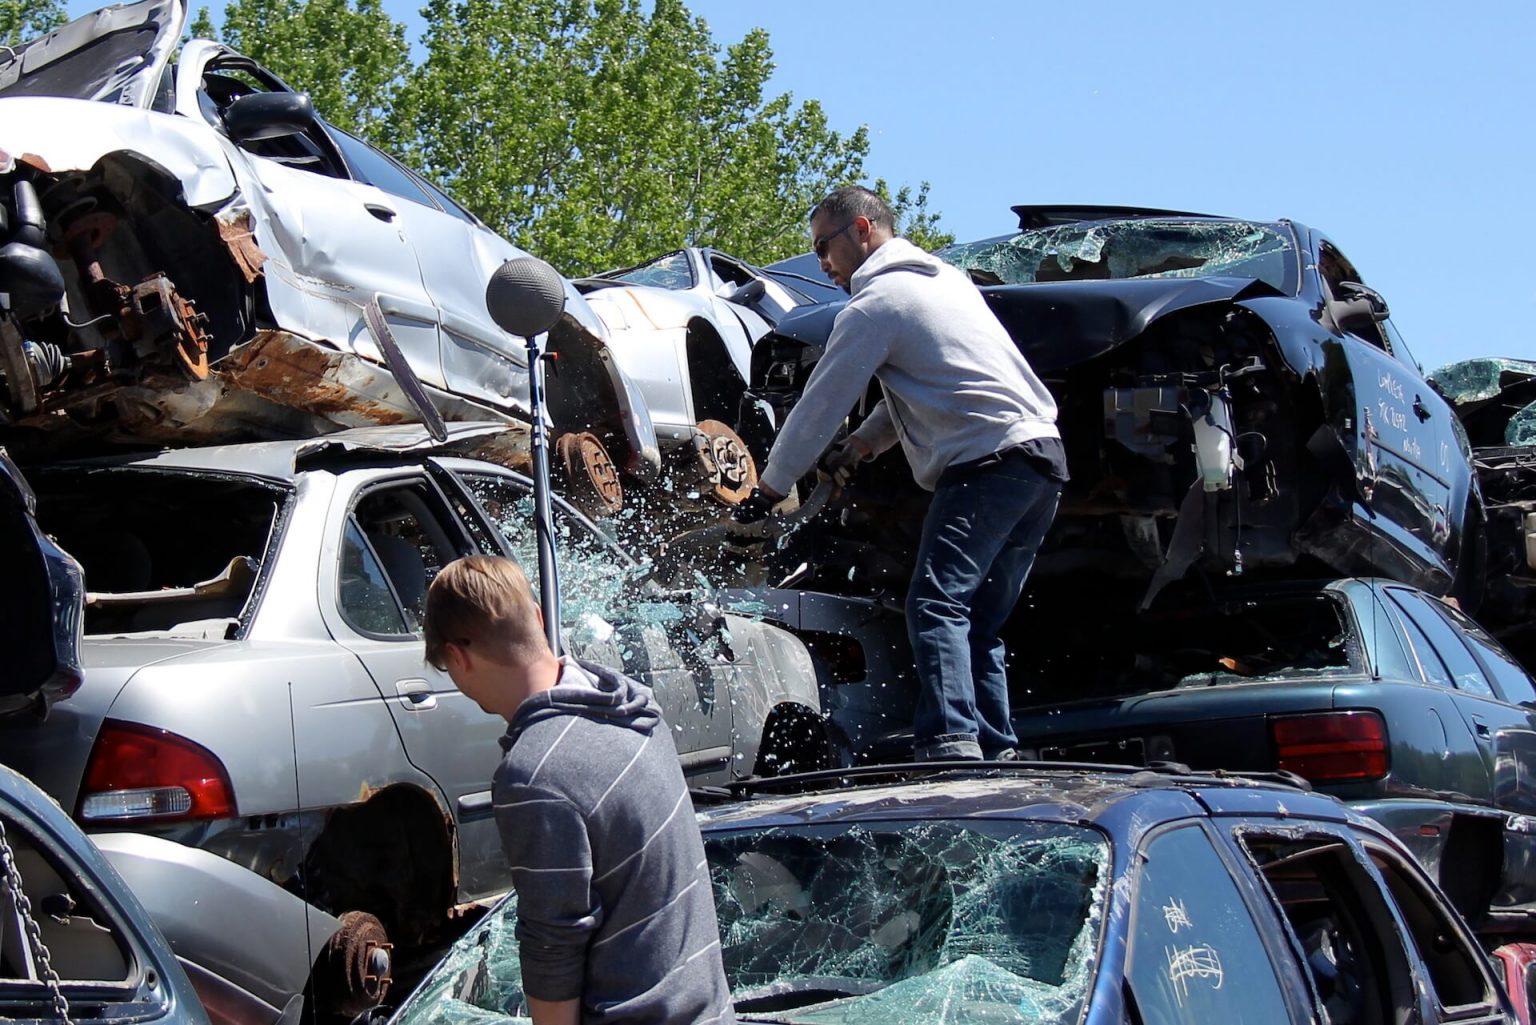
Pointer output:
x,y
348,58
595,133
598,133
20,20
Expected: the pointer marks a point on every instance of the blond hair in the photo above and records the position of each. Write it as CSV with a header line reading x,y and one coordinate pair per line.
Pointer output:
x,y
483,602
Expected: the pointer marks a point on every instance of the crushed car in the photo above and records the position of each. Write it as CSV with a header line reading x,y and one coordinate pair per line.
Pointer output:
x,y
1496,401
683,326
1388,698
1233,398
257,729
1048,896
196,256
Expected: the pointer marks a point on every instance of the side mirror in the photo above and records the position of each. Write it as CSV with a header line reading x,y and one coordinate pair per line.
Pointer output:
x,y
1355,291
747,294
257,116
525,297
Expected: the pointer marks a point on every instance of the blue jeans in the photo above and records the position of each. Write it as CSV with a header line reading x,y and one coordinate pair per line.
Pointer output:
x,y
979,542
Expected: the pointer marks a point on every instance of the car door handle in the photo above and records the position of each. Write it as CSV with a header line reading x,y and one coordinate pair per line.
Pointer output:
x,y
380,211
1419,409
415,695
1481,728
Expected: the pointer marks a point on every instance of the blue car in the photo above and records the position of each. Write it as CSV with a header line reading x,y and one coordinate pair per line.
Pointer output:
x,y
1025,894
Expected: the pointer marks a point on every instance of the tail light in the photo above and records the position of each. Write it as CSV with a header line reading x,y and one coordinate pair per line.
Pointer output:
x,y
140,772
1332,746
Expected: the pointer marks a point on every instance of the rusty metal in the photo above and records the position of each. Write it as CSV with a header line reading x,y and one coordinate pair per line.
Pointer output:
x,y
239,238
726,466
354,969
158,313
592,481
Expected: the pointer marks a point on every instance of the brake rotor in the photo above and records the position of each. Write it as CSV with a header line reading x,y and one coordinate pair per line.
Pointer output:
x,y
727,470
354,969
592,481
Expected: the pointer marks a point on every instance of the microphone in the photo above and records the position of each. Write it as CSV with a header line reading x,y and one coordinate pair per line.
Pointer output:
x,y
525,297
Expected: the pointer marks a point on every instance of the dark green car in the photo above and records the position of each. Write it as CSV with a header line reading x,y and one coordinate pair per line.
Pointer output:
x,y
1375,692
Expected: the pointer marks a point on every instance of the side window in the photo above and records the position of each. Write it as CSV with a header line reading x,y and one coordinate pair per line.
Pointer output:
x,y
1453,968
373,167
1513,682
592,570
1196,955
1341,924
448,203
396,541
1466,674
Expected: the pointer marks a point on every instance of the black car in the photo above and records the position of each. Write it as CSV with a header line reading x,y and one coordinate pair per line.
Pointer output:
x,y
1390,699
1024,894
1232,397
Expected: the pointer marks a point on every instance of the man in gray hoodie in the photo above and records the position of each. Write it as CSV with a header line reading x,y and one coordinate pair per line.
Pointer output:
x,y
615,917
977,427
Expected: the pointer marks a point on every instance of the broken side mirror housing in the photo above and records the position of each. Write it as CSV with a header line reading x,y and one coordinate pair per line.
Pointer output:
x,y
258,116
1357,309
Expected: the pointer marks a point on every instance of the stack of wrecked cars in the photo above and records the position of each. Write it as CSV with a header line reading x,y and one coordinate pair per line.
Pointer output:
x,y
199,257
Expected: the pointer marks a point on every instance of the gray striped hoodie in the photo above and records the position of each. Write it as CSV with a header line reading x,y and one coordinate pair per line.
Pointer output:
x,y
613,896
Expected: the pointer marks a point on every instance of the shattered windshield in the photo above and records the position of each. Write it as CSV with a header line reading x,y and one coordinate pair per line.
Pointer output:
x,y
670,271
1141,248
942,923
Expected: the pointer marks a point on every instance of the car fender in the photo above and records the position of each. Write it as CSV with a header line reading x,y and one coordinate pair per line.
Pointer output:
x,y
194,896
787,678
186,149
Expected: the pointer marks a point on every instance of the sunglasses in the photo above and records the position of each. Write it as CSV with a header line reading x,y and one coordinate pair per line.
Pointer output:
x,y
819,246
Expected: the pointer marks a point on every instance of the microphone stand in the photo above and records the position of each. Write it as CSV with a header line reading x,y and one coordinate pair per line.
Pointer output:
x,y
543,517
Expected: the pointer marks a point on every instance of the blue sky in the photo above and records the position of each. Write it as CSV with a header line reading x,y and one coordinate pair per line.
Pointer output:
x,y
1402,130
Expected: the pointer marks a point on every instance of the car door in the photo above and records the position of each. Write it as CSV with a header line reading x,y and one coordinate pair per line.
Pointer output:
x,y
332,240
1377,946
664,641
1503,731
392,533
1404,426
1196,954
457,257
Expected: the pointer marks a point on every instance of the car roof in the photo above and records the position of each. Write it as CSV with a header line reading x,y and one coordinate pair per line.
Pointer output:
x,y
285,460
1045,216
1034,791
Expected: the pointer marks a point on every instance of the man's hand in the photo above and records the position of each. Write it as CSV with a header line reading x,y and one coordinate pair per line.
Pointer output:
x,y
840,461
756,506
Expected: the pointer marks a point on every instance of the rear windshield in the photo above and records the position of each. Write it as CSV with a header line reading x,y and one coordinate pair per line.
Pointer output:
x,y
1105,250
1195,645
163,553
947,922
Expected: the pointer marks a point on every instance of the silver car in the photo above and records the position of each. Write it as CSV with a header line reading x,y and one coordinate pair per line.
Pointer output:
x,y
198,257
257,722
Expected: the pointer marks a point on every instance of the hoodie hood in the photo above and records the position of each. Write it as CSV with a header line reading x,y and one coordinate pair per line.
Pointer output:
x,y
896,254
590,690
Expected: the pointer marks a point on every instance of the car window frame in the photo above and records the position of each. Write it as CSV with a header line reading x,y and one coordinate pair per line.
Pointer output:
x,y
358,174
454,527
1480,643
1405,599
1434,898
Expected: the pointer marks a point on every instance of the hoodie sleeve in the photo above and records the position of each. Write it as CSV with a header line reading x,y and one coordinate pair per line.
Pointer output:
x,y
855,351
545,839
878,430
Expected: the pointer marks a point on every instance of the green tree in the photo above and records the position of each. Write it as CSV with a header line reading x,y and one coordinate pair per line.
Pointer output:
x,y
349,58
598,133
20,20
914,221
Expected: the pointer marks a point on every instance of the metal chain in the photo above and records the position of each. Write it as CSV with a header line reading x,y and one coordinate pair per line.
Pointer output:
x,y
10,875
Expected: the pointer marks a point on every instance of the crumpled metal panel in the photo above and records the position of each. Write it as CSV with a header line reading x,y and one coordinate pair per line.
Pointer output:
x,y
185,148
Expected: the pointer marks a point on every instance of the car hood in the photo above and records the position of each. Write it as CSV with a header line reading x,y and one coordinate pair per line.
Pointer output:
x,y
1495,399
1061,324
115,55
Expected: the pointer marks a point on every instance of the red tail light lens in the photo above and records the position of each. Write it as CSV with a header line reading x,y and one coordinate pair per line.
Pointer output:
x,y
1332,746
140,772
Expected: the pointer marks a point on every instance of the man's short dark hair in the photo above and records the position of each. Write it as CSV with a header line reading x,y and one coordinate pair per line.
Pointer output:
x,y
852,201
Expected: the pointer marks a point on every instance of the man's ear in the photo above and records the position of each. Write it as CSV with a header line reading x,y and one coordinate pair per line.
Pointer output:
x,y
455,657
